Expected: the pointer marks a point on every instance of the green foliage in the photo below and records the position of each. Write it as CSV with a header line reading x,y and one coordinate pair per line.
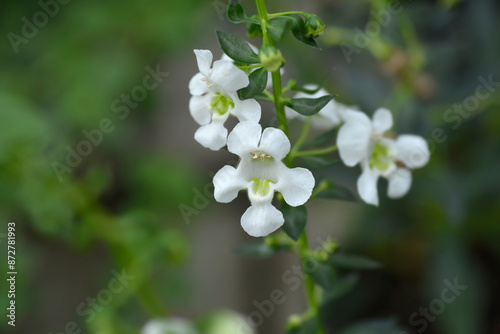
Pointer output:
x,y
258,82
295,220
236,48
308,106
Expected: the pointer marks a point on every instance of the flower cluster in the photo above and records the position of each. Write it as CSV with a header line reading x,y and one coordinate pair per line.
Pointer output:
x,y
231,86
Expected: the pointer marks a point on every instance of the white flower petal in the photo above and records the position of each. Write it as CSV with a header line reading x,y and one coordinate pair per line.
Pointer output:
x,y
247,110
244,138
227,183
295,184
399,183
199,109
261,220
367,185
413,151
212,136
204,59
228,76
354,138
275,142
382,120
197,86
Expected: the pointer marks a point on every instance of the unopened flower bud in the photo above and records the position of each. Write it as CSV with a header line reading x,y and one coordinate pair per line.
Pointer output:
x,y
271,58
314,26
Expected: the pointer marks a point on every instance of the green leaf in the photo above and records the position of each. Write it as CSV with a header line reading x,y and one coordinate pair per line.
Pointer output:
x,y
338,192
235,12
259,249
236,48
299,31
295,220
349,261
323,275
321,140
258,82
341,287
319,161
278,27
309,107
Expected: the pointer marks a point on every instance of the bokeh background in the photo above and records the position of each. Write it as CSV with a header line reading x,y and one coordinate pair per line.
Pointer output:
x,y
119,208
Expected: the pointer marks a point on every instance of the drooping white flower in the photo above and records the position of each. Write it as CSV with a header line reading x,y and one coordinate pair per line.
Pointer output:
x,y
171,326
261,172
360,140
215,98
327,118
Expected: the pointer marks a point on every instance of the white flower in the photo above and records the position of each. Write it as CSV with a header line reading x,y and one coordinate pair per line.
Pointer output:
x,y
360,140
261,172
171,326
215,98
327,118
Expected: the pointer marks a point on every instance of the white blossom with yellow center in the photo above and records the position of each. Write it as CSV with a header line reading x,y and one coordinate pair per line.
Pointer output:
x,y
261,172
214,98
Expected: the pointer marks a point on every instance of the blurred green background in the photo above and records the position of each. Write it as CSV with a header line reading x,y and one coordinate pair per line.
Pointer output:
x,y
122,204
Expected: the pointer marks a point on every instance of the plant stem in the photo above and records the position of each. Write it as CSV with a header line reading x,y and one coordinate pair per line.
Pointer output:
x,y
302,138
309,284
278,102
286,13
244,67
317,152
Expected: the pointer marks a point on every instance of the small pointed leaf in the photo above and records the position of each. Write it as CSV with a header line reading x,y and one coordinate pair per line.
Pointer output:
x,y
258,82
309,107
236,48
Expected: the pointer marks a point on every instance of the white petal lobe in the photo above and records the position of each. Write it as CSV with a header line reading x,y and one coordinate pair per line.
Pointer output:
x,y
204,59
399,183
382,120
227,183
244,138
367,186
354,138
261,220
212,136
413,151
275,142
295,184
228,76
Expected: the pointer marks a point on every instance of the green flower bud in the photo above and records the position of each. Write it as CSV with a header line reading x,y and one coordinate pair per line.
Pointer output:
x,y
314,26
271,58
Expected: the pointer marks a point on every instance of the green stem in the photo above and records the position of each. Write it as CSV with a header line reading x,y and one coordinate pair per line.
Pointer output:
x,y
302,138
286,13
309,284
317,152
249,67
269,95
278,102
